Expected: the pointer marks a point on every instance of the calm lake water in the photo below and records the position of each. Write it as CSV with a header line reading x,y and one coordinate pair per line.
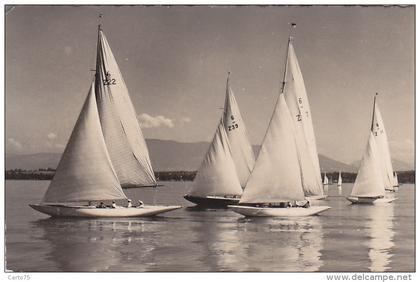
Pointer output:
x,y
345,238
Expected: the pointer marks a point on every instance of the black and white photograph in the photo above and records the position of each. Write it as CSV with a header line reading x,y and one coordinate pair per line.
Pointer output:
x,y
209,138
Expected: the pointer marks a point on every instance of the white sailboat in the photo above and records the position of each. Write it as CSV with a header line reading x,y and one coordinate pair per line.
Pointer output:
x,y
396,183
297,101
340,180
378,129
123,136
241,149
85,175
216,183
275,185
326,181
369,187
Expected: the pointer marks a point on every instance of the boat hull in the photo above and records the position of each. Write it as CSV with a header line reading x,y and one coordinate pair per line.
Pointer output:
x,y
278,212
212,201
370,201
321,197
393,189
91,211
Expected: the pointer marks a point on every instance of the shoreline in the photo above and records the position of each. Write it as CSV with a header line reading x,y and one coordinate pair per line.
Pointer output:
x,y
404,177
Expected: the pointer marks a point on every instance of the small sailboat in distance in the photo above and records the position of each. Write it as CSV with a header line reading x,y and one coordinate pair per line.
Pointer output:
x,y
85,175
396,184
123,136
241,149
216,183
275,185
340,180
325,182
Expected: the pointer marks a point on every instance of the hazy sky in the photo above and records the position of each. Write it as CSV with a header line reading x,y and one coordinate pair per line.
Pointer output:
x,y
175,60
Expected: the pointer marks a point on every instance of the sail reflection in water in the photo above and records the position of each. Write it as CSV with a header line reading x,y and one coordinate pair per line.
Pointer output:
x,y
100,248
283,244
380,224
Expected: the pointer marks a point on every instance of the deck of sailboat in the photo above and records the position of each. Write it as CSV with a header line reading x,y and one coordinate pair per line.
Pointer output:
x,y
93,212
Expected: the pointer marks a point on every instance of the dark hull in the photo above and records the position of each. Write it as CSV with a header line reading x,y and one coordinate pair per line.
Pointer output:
x,y
128,186
216,202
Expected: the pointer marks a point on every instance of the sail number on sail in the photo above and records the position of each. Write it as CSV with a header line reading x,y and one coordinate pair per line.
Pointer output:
x,y
108,80
234,125
377,130
301,107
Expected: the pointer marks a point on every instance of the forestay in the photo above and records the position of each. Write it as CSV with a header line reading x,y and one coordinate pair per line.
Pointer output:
x,y
369,181
242,153
297,101
85,172
217,174
123,136
381,139
276,175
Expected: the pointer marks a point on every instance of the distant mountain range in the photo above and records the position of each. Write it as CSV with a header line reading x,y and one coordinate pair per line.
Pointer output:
x,y
167,155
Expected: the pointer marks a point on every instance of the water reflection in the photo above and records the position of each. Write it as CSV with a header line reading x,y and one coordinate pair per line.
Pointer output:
x,y
93,245
380,225
282,244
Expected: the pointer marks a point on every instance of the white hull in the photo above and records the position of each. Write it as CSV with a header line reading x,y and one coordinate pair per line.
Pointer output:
x,y
91,211
278,212
372,201
393,189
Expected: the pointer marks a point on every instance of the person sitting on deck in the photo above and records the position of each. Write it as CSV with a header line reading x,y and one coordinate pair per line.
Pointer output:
x,y
114,205
129,205
303,204
101,205
140,204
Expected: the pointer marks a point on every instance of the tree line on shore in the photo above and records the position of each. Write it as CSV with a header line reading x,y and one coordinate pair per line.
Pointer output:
x,y
48,174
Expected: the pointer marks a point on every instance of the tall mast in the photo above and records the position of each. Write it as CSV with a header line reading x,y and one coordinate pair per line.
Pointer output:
x,y
292,26
373,113
98,45
227,81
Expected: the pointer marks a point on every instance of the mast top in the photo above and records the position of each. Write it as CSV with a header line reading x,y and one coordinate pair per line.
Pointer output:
x,y
292,27
100,16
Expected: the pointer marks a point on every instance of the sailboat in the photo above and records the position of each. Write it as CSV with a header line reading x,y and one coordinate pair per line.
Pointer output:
x,y
216,183
396,184
326,181
275,186
369,187
86,173
123,136
241,149
340,180
297,101
378,130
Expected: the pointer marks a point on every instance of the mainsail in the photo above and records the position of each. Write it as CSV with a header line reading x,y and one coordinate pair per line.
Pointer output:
x,y
242,153
123,136
85,172
378,130
297,101
276,176
217,174
369,181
